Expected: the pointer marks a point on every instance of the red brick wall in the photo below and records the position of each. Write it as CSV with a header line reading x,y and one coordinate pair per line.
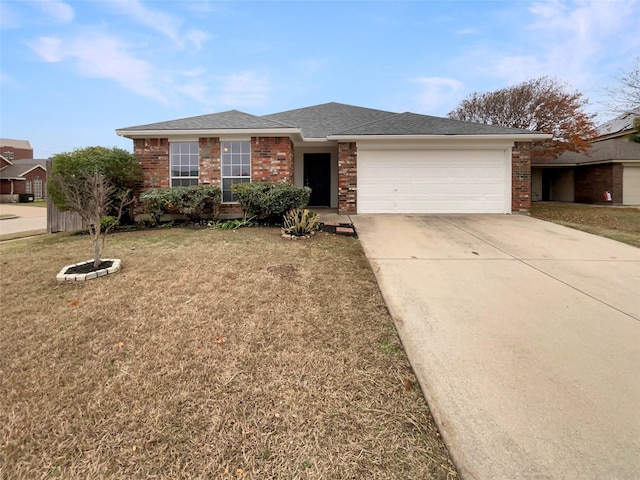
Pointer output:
x,y
272,159
18,153
153,155
210,161
521,177
18,187
593,180
347,177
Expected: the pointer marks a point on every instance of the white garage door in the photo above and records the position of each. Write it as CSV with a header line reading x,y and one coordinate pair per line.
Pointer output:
x,y
631,185
434,181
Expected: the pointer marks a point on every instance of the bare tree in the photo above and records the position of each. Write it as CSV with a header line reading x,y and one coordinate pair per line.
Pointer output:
x,y
540,105
626,94
91,196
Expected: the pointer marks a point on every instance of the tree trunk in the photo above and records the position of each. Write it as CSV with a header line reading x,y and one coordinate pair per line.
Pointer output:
x,y
95,238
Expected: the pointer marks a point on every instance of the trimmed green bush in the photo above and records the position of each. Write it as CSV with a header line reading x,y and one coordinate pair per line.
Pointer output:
x,y
192,202
155,203
269,201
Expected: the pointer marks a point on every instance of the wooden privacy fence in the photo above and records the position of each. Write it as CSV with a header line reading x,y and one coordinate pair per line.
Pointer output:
x,y
58,221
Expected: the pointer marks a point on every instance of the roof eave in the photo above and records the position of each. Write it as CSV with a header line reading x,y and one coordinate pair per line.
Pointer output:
x,y
206,132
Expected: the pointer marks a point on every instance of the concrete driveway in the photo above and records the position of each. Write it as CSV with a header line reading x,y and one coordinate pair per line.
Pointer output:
x,y
27,219
524,336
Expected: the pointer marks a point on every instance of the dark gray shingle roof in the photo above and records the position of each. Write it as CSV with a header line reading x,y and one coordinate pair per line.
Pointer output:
x,y
20,167
232,119
326,119
602,151
413,124
321,121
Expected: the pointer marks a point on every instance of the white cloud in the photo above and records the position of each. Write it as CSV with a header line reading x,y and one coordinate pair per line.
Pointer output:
x,y
154,19
247,89
167,24
437,93
198,37
568,40
98,55
59,11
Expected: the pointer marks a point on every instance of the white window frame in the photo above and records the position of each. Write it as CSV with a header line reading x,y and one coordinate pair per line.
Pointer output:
x,y
181,156
235,166
38,188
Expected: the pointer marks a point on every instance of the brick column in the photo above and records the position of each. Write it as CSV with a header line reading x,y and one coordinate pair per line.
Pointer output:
x,y
209,153
153,155
347,177
521,177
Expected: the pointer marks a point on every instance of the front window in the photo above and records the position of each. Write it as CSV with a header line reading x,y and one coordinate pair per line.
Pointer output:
x,y
184,164
236,167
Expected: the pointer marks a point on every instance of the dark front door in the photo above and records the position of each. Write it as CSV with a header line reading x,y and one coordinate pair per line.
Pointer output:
x,y
317,176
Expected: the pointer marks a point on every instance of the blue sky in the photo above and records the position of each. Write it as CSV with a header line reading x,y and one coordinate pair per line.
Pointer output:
x,y
74,71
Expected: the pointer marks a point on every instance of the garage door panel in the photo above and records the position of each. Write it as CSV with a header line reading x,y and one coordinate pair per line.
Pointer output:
x,y
631,185
427,181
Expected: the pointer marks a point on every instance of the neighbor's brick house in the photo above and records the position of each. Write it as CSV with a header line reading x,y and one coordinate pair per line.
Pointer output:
x,y
355,159
611,166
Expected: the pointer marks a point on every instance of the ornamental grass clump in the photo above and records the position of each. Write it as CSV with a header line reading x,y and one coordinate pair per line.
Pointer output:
x,y
300,222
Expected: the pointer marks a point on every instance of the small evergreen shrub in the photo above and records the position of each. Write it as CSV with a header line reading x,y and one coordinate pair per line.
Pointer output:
x,y
192,202
269,201
155,202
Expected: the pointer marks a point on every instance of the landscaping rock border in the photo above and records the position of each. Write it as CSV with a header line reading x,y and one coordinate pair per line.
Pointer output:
x,y
83,277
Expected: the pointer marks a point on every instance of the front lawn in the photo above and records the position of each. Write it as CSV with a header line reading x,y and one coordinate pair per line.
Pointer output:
x,y
212,354
618,223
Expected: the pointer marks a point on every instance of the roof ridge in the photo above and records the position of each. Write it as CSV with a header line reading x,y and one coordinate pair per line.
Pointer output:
x,y
366,124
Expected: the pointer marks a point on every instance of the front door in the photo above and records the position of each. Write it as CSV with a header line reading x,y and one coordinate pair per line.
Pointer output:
x,y
317,176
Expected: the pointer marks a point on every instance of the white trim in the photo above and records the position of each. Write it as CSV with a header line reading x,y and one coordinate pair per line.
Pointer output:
x,y
277,132
33,168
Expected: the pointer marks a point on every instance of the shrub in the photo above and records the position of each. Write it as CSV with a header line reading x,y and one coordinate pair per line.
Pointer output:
x,y
269,201
108,221
300,222
119,168
192,201
155,203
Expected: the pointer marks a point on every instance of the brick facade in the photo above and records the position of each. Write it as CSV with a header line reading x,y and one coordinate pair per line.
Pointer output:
x,y
153,155
13,153
591,181
272,159
347,177
521,177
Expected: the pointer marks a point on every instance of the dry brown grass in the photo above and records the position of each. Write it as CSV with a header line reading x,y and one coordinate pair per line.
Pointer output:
x,y
213,354
618,223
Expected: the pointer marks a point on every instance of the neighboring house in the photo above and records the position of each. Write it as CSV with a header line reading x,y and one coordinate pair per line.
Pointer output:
x,y
358,160
611,167
22,176
15,149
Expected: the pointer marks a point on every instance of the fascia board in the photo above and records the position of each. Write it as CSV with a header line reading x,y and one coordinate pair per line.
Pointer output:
x,y
206,133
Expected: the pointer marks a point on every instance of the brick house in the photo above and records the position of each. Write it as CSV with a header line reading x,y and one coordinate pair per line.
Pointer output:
x,y
612,165
356,160
22,176
12,149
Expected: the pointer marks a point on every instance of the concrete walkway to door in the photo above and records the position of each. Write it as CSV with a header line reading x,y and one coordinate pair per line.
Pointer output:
x,y
524,336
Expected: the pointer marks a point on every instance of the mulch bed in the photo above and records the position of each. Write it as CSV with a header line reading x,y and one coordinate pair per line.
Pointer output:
x,y
88,267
